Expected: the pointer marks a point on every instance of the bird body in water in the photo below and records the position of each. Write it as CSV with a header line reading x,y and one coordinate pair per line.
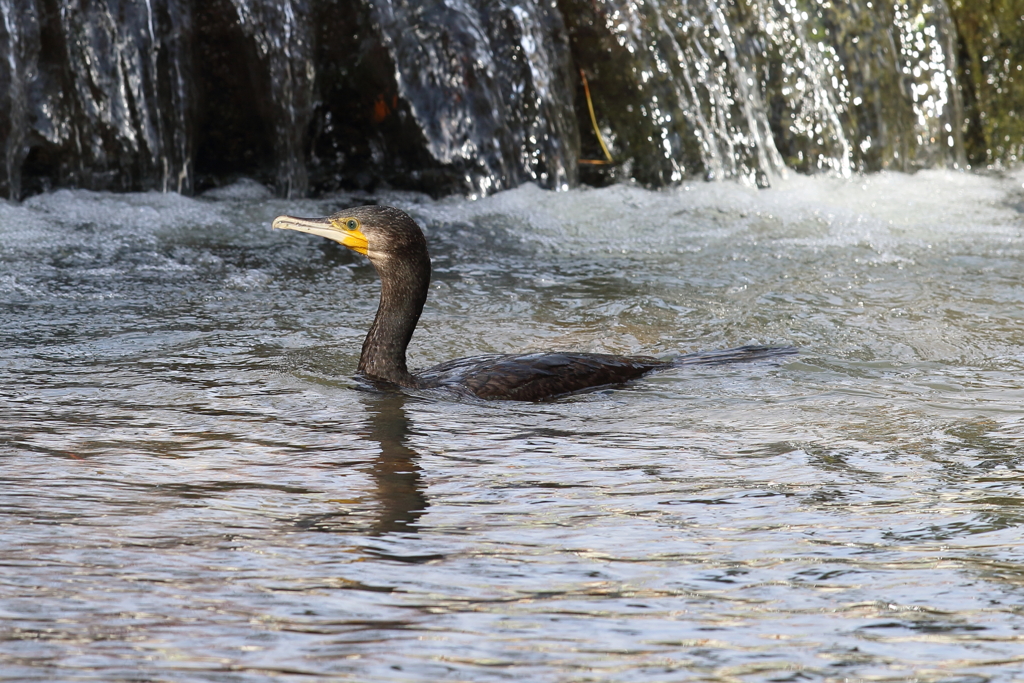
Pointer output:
x,y
397,249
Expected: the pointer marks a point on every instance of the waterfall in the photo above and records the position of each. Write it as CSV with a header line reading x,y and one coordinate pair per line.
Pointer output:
x,y
475,96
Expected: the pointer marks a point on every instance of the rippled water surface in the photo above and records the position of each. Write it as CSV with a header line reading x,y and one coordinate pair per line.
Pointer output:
x,y
193,488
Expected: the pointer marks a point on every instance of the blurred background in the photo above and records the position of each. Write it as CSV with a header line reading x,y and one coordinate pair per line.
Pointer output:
x,y
475,96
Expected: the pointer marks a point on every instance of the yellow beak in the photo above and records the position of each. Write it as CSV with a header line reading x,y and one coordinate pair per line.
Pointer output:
x,y
353,239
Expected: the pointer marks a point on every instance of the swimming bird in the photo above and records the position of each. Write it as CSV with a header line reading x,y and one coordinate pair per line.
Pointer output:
x,y
397,249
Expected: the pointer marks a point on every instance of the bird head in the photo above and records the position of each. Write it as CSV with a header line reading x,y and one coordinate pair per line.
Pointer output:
x,y
377,232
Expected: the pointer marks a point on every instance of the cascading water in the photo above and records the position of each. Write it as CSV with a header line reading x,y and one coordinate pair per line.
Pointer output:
x,y
489,87
474,97
746,89
96,95
282,35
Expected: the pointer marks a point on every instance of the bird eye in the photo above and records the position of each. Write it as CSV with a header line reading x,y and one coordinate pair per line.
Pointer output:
x,y
352,224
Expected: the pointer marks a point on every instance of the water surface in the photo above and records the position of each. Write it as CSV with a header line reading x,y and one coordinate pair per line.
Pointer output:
x,y
194,488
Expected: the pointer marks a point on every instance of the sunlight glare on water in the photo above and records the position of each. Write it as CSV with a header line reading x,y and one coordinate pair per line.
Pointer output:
x,y
195,488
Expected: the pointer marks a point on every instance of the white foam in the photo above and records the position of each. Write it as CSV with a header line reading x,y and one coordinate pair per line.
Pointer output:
x,y
244,189
882,209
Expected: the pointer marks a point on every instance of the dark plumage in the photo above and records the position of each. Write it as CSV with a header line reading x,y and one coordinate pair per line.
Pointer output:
x,y
396,248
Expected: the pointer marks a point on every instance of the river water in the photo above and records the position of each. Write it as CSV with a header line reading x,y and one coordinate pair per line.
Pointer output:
x,y
194,488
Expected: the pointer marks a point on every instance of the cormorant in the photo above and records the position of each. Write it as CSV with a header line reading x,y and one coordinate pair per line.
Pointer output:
x,y
397,249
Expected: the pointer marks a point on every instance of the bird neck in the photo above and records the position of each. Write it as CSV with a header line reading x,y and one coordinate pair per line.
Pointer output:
x,y
403,291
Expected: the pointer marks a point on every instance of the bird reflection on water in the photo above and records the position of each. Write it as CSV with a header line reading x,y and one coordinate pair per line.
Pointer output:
x,y
395,473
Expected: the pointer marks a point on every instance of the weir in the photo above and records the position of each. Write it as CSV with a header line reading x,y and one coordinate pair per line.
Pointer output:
x,y
475,96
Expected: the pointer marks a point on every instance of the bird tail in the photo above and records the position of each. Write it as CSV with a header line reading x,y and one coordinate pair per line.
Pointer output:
x,y
742,354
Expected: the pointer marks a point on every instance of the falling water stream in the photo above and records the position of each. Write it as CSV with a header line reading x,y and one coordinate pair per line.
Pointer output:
x,y
478,96
194,488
